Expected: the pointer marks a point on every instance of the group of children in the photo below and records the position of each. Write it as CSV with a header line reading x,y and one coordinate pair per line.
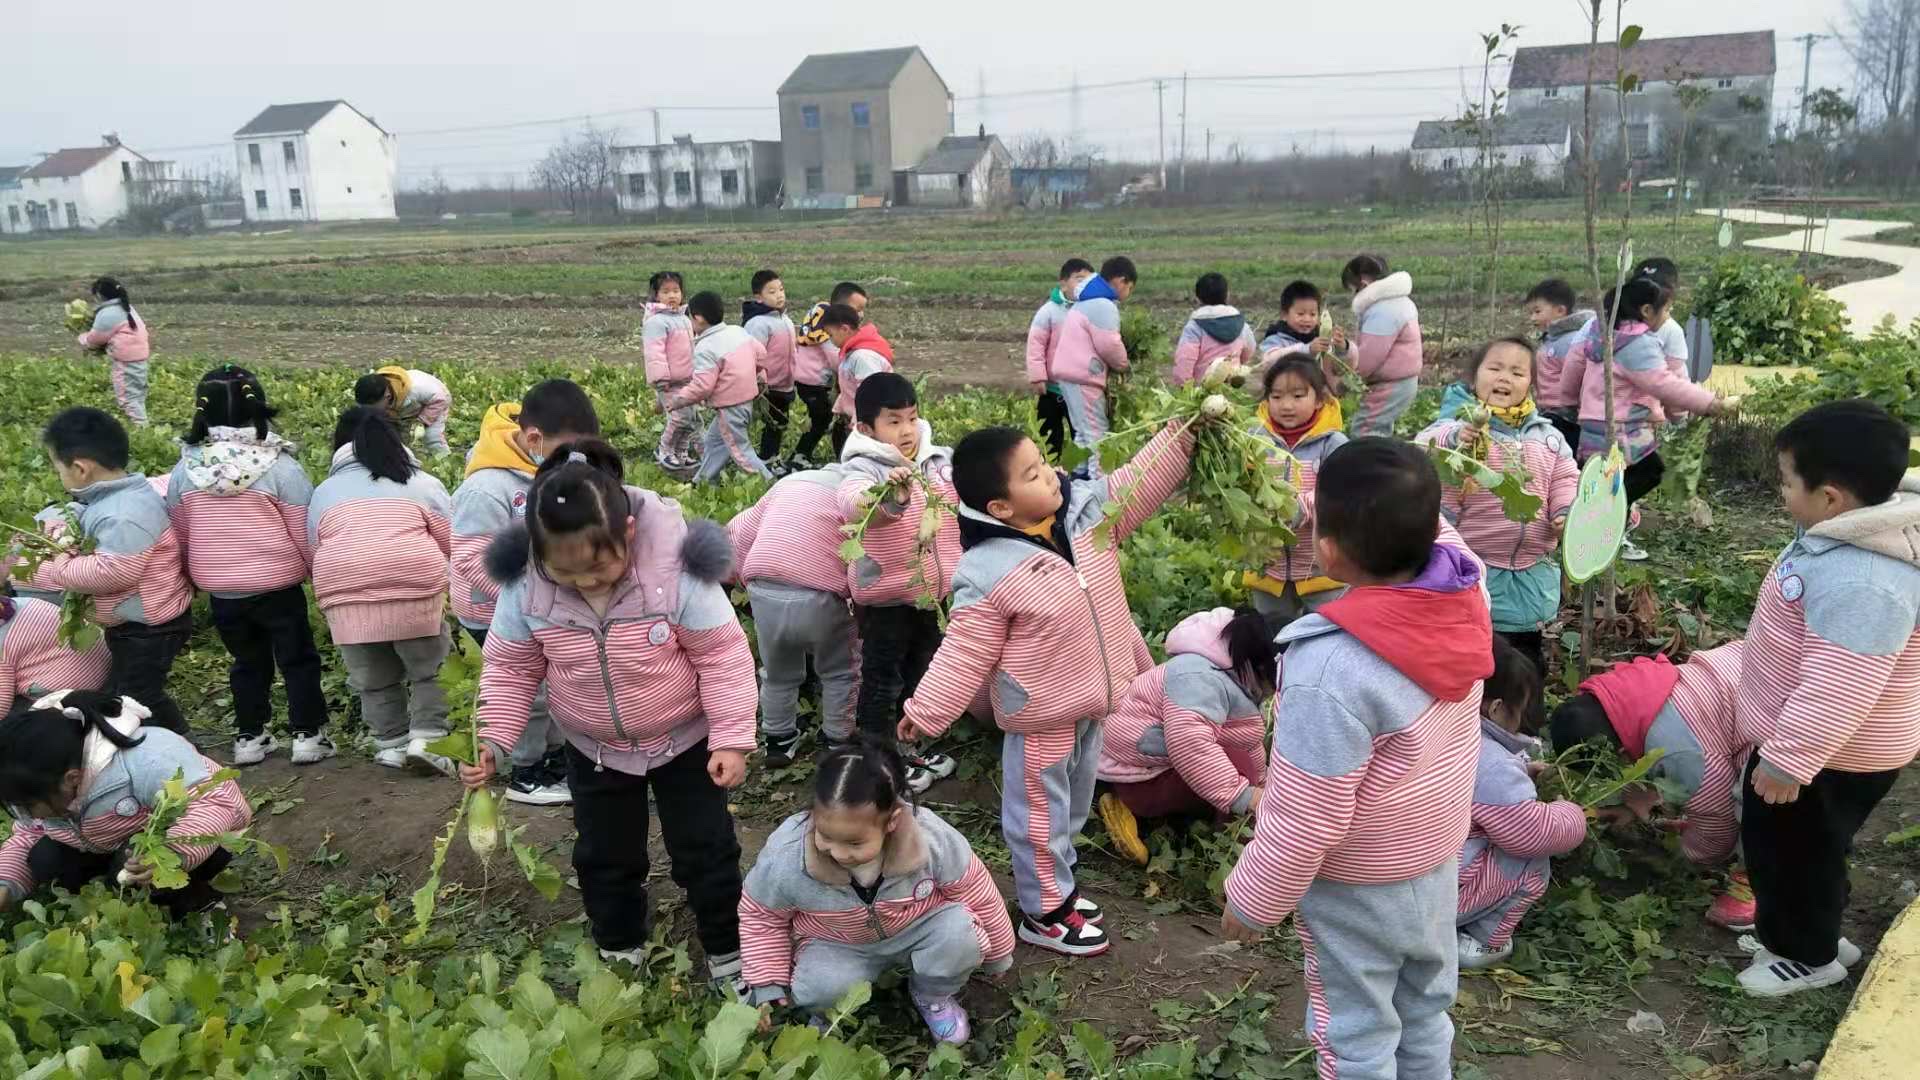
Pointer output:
x,y
1398,643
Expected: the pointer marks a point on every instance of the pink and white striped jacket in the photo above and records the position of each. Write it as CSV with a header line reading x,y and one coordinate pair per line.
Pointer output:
x,y
1043,336
726,365
251,524
115,802
1214,332
1703,752
116,335
1550,361
1088,344
134,573
1830,676
1190,715
666,343
1386,344
1643,381
666,667
884,576
865,353
1552,477
380,552
1511,830
1048,623
774,331
794,895
33,663
792,533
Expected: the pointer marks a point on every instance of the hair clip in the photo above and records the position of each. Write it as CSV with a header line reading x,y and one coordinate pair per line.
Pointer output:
x,y
575,455
561,499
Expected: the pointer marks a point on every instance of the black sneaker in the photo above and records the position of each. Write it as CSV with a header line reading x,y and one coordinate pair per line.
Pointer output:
x,y
778,468
1071,935
536,785
780,749
1087,909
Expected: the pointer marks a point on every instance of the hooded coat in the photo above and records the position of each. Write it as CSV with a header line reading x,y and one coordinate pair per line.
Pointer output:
x,y
1214,332
238,492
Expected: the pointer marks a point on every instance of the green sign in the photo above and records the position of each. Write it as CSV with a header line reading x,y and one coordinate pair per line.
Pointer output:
x,y
1598,521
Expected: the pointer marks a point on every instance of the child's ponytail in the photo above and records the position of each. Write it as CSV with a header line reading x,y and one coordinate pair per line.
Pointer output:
x,y
1641,292
38,747
1250,646
867,771
110,290
1516,682
377,445
229,396
580,487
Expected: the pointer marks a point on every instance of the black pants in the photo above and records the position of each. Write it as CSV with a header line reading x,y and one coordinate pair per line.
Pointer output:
x,y
610,857
1797,858
897,642
54,863
1567,424
1051,408
773,431
141,657
260,632
1643,476
819,403
842,427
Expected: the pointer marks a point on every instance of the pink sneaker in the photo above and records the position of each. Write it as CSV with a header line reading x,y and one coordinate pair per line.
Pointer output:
x,y
945,1017
1734,909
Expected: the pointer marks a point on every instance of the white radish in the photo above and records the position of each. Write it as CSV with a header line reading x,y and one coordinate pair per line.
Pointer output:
x,y
1215,406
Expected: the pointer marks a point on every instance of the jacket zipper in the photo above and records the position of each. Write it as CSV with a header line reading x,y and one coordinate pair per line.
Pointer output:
x,y
606,679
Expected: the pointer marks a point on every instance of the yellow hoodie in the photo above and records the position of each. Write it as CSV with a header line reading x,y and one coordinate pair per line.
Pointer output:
x,y
1327,419
397,378
497,448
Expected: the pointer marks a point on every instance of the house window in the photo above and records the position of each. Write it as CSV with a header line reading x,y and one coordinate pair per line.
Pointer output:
x,y
1639,87
683,183
286,149
862,177
816,180
1723,84
860,118
637,184
729,182
259,198
293,198
810,117
253,154
73,216
1449,163
126,172
1551,91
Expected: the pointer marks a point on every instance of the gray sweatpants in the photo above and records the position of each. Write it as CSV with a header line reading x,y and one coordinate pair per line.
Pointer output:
x,y
130,389
1087,413
681,433
1381,406
1382,970
727,441
791,624
1281,610
1049,779
399,688
940,952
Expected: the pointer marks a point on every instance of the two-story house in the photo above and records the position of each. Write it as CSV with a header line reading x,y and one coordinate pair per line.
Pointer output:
x,y
315,161
84,187
853,124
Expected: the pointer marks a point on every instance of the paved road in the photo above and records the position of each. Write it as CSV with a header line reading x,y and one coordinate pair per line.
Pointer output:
x,y
1897,294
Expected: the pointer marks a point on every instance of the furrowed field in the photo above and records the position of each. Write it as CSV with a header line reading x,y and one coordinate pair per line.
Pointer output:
x,y
322,979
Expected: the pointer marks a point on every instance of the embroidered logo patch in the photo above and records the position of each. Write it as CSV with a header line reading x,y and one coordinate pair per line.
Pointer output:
x,y
519,504
658,633
1791,588
923,888
127,807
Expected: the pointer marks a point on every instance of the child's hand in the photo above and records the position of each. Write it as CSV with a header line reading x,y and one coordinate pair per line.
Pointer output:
x,y
1339,337
728,768
906,732
659,406
1535,769
1670,824
136,873
898,477
1773,789
476,776
1257,793
1320,346
1469,438
1039,386
1233,929
1642,800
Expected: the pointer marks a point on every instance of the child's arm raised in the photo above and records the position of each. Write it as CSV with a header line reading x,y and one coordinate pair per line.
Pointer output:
x,y
976,636
1151,478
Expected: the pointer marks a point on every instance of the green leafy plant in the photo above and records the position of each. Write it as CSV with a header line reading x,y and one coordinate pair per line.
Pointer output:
x,y
1881,368
935,509
32,547
1768,314
152,846
1470,471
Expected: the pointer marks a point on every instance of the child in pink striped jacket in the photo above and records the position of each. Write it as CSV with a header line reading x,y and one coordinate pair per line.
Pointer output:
x,y
118,332
726,362
238,501
866,883
379,527
1215,331
1387,351
666,340
1301,418
408,396
612,598
1088,346
33,662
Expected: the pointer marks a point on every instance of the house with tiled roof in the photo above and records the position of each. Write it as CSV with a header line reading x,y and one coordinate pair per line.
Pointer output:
x,y
315,161
854,124
1540,146
80,187
1734,71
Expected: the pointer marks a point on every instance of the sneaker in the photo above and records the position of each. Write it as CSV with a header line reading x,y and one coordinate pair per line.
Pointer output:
x,y
780,749
425,762
924,769
635,956
1087,909
727,975
1123,828
1632,552
1846,952
1734,909
253,749
1475,956
1776,976
393,757
1071,935
796,463
777,467
536,785
308,749
945,1017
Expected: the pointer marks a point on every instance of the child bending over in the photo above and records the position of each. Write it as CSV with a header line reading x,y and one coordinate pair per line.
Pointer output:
x,y
34,662
406,396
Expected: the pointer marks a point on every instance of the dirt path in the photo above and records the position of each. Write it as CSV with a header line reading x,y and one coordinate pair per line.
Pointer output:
x,y
1870,300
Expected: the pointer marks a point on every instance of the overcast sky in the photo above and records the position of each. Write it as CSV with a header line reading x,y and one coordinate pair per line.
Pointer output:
x,y
175,79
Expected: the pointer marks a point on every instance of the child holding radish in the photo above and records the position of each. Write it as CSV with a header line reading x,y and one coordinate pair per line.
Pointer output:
x,y
1301,417
1215,331
118,333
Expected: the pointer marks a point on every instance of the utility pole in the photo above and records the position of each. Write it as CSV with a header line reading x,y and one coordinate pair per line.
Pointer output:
x,y
1183,133
980,75
1806,71
657,140
1073,120
1209,149
1160,93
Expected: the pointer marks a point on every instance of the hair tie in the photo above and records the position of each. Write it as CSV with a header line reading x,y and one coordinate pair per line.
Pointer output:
x,y
575,455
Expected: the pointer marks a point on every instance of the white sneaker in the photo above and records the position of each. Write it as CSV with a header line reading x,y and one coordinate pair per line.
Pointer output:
x,y
425,762
1474,956
393,757
308,749
1632,552
924,769
1776,976
727,976
252,750
1847,953
635,956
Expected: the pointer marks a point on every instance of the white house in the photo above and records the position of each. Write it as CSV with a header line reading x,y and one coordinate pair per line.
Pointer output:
x,y
1540,146
84,187
315,161
964,170
686,175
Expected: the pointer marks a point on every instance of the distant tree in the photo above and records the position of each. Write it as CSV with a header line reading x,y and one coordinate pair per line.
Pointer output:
x,y
578,171
1883,38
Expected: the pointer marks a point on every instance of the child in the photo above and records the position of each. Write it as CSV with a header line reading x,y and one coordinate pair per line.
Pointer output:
x,y
1523,577
1686,711
1043,336
612,598
79,775
1372,768
1690,349
514,440
899,571
33,662
815,360
238,502
139,587
726,360
862,352
118,332
1506,862
864,883
378,527
1550,310
1088,346
1039,608
666,341
1387,351
1300,415
1829,687
407,395
1642,382
1298,326
765,318
1215,331
802,608
1186,740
